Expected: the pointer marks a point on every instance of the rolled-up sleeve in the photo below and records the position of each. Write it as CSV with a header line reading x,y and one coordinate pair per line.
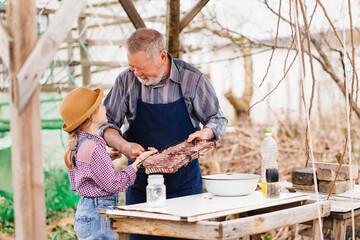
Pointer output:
x,y
116,105
207,108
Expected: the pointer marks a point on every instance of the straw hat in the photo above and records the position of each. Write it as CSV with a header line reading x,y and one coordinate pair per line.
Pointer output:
x,y
78,105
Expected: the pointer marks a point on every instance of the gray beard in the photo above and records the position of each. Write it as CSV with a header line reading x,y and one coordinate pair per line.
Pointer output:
x,y
152,81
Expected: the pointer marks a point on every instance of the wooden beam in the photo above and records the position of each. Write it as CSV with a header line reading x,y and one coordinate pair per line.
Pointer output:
x,y
191,14
85,70
198,230
45,49
132,13
172,27
26,153
88,63
5,40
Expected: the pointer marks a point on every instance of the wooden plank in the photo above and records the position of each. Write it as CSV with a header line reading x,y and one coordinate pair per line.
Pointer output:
x,y
303,176
5,40
26,157
338,187
132,13
345,215
45,49
199,230
191,14
334,166
329,175
304,187
339,229
268,221
122,236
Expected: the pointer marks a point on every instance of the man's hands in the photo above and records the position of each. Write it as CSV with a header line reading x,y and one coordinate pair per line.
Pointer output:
x,y
114,154
204,134
131,150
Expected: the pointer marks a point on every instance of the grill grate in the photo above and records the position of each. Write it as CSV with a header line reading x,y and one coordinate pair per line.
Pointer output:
x,y
175,157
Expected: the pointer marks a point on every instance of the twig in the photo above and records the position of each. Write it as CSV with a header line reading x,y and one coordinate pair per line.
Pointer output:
x,y
340,159
276,38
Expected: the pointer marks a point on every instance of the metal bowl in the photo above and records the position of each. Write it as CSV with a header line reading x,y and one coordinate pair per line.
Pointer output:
x,y
231,184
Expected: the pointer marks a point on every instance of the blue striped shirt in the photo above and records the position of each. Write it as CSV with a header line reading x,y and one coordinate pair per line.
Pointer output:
x,y
184,79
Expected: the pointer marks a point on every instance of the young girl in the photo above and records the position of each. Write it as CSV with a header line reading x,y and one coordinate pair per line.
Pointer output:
x,y
90,167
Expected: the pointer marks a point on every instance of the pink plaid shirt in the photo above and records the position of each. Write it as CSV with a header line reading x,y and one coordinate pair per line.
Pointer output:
x,y
94,174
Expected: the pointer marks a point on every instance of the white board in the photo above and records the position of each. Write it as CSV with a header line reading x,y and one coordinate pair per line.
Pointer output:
x,y
205,206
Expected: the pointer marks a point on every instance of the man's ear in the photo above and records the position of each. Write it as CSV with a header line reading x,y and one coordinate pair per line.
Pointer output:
x,y
163,56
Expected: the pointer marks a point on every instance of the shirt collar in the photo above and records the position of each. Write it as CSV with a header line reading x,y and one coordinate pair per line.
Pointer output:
x,y
174,71
97,138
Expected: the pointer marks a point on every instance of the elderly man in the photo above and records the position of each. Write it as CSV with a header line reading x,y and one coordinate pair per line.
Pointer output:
x,y
163,100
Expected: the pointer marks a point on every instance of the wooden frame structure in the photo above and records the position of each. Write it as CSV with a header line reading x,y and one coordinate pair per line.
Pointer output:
x,y
26,58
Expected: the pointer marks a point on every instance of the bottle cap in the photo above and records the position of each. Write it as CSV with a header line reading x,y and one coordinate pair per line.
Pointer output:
x,y
268,131
272,175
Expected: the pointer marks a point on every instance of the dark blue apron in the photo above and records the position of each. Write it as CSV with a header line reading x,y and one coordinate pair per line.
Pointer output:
x,y
160,126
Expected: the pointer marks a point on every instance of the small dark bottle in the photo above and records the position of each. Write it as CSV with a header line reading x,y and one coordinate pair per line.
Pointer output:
x,y
272,179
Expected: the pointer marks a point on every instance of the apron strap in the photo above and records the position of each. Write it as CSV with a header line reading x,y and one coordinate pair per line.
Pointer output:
x,y
74,153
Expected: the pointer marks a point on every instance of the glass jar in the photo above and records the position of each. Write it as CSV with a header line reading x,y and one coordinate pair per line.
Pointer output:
x,y
155,191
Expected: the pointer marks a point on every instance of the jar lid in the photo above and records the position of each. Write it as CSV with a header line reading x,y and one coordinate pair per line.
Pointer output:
x,y
156,178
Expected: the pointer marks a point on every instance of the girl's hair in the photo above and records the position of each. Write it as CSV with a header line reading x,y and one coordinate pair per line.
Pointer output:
x,y
72,138
68,154
148,40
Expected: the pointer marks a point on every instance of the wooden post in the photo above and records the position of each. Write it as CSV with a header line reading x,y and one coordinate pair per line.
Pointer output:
x,y
70,53
172,27
26,154
86,73
316,231
339,229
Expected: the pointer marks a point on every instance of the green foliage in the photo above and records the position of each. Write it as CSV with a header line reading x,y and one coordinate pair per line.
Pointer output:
x,y
6,205
6,213
7,226
58,194
66,233
58,232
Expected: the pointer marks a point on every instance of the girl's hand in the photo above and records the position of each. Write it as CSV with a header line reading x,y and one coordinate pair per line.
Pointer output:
x,y
146,154
114,154
143,156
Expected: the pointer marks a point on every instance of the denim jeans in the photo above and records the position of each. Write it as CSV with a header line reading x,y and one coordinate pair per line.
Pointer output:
x,y
88,223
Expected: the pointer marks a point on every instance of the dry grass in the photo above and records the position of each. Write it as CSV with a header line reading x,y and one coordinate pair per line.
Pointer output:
x,y
239,151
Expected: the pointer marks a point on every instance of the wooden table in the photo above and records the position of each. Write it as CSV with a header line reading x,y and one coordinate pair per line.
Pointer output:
x,y
202,216
341,211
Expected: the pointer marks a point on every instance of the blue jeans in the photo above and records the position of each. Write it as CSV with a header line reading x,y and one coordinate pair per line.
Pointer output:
x,y
88,223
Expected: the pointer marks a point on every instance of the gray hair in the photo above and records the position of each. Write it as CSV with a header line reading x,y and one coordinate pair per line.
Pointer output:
x,y
148,40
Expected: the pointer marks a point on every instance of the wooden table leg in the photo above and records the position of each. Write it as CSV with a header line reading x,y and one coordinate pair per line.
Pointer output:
x,y
122,236
339,229
316,231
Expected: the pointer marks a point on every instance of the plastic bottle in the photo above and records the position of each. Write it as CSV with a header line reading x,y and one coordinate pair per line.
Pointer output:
x,y
269,152
272,179
155,191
